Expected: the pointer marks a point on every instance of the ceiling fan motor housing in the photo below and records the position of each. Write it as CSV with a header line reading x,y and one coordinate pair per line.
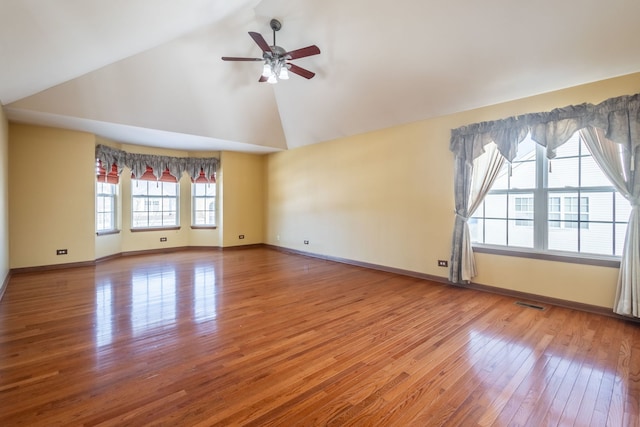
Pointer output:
x,y
275,25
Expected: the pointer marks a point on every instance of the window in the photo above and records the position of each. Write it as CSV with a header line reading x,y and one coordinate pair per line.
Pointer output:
x,y
203,204
154,204
106,196
566,204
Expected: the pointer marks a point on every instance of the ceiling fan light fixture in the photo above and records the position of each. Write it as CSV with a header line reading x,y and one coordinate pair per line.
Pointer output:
x,y
284,73
272,79
266,70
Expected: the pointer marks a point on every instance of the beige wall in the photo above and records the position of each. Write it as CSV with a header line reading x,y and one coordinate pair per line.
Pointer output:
x,y
4,197
51,196
242,198
386,198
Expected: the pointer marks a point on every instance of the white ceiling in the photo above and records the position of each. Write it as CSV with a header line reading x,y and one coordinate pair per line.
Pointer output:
x,y
149,71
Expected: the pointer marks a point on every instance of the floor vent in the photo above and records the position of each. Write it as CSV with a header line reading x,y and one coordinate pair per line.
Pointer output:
x,y
529,305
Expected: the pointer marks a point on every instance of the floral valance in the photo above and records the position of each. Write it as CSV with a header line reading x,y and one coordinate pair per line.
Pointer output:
x,y
618,117
138,163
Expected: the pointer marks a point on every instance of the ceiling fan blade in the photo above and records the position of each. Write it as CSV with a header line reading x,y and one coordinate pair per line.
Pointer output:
x,y
303,52
260,41
233,58
300,71
262,79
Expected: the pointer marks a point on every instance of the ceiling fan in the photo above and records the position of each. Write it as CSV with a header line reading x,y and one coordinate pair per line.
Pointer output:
x,y
276,59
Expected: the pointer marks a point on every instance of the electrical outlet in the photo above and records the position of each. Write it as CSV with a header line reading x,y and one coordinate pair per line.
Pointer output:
x,y
306,242
241,236
443,263
61,251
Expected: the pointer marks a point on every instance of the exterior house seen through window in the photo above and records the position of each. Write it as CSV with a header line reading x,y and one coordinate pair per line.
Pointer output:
x,y
203,206
106,196
564,205
154,204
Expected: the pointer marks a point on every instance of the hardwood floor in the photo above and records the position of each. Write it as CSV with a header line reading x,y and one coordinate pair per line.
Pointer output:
x,y
259,337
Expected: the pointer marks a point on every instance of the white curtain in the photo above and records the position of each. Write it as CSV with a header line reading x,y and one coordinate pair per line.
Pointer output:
x,y
618,162
476,180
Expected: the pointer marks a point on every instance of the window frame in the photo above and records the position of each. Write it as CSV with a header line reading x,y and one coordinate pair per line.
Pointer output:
x,y
162,196
542,194
194,211
113,196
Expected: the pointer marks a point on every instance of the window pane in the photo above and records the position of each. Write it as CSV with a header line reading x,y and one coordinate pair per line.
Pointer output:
x,y
597,239
526,149
476,226
154,204
200,204
521,208
563,237
100,221
155,219
599,206
169,219
523,175
592,176
521,233
139,219
170,189
502,181
154,188
495,206
564,173
138,187
496,231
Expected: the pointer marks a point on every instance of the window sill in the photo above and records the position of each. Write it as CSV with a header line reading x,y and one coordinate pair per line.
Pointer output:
x,y
136,230
107,232
204,227
597,260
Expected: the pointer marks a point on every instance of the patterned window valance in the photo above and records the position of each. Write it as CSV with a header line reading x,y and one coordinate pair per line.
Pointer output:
x,y
618,117
138,163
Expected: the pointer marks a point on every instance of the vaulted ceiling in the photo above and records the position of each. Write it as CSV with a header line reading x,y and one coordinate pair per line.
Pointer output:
x,y
149,71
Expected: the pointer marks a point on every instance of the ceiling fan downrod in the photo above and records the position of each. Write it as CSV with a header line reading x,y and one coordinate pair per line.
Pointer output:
x,y
275,26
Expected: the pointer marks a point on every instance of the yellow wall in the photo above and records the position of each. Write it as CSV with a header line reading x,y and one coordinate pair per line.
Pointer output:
x,y
242,198
55,209
386,198
51,196
4,197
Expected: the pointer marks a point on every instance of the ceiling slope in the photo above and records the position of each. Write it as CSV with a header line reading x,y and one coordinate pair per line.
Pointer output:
x,y
149,72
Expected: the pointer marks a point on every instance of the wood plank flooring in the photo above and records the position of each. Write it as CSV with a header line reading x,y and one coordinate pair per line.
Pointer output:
x,y
259,337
